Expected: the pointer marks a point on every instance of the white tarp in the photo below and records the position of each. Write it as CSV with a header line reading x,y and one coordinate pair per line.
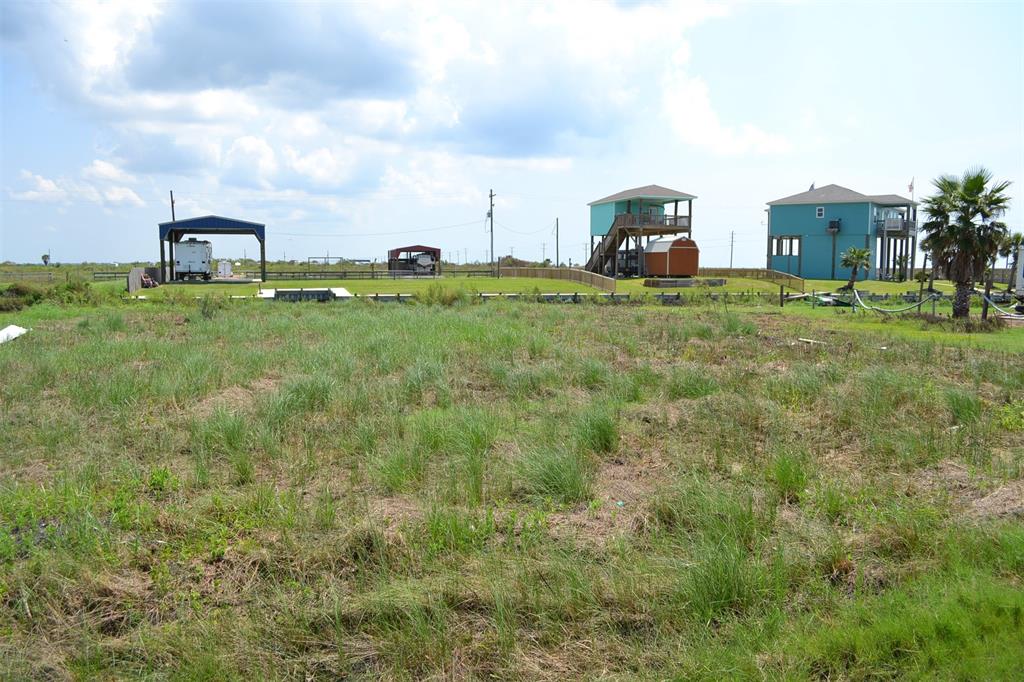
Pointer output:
x,y
11,332
1020,271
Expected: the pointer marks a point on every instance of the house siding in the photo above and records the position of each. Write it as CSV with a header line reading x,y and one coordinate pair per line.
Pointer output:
x,y
601,218
815,259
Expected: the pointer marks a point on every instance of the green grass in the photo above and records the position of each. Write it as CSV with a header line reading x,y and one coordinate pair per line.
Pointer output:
x,y
506,490
365,287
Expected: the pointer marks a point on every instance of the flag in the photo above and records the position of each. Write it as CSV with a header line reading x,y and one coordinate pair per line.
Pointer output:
x,y
910,187
811,188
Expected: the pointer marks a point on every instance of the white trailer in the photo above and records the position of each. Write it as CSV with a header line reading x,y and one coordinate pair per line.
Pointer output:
x,y
193,259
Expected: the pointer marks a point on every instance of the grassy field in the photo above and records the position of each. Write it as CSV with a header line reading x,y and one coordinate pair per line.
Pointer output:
x,y
519,491
383,286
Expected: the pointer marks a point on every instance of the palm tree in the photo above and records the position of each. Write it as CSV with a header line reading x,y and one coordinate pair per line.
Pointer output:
x,y
856,259
1011,248
963,231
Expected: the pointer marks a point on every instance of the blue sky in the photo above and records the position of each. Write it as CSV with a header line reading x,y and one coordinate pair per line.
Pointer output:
x,y
350,129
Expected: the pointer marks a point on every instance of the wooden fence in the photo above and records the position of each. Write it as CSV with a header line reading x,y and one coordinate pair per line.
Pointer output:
x,y
26,276
570,274
791,281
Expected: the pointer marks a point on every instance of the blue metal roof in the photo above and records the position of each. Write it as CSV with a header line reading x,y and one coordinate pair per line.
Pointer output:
x,y
211,224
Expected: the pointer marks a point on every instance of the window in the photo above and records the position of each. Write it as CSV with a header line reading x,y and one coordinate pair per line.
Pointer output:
x,y
785,246
819,212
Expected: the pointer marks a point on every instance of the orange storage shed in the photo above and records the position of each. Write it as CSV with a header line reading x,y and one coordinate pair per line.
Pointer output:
x,y
675,257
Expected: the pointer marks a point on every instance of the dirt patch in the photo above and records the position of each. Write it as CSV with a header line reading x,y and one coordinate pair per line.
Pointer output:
x,y
235,398
622,488
394,511
950,477
1006,501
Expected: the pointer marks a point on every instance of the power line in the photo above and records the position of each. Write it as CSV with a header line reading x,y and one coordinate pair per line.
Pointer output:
x,y
375,234
509,229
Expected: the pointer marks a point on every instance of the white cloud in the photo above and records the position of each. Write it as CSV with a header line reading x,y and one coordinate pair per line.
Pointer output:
x,y
106,171
122,196
67,190
686,103
42,189
514,88
251,161
322,165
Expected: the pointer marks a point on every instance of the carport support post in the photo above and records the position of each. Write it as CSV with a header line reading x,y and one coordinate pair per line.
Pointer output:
x,y
163,263
263,260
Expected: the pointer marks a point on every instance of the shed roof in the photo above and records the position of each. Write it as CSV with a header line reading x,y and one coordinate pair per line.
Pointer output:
x,y
834,194
663,245
415,248
645,192
211,224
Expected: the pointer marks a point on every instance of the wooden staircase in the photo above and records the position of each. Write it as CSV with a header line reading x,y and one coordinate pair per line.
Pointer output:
x,y
605,252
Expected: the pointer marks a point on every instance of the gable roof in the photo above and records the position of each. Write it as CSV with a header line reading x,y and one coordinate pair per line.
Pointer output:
x,y
834,194
645,192
211,224
395,253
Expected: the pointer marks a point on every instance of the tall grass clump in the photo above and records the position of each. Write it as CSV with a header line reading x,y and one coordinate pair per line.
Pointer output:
x,y
559,474
597,430
788,475
965,407
591,374
707,512
690,383
398,467
735,325
439,294
727,580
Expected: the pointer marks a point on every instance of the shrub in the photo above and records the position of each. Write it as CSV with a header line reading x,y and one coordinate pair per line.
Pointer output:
x,y
1011,417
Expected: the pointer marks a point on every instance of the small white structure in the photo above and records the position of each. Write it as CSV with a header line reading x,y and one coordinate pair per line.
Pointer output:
x,y
224,268
193,259
11,331
1019,285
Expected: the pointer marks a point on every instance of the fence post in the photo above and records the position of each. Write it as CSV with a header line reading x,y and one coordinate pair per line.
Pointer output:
x,y
782,299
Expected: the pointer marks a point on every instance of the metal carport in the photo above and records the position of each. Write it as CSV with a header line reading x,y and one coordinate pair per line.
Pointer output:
x,y
173,231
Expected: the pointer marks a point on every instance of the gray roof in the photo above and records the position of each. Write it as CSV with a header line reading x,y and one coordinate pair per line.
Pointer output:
x,y
645,192
834,194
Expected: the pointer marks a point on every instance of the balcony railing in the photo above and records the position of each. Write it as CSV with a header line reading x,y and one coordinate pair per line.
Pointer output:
x,y
681,222
889,225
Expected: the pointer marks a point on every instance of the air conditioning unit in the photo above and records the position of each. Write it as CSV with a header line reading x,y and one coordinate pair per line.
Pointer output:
x,y
834,225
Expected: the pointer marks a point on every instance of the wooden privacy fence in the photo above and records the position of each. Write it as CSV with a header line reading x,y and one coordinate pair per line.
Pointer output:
x,y
791,281
572,274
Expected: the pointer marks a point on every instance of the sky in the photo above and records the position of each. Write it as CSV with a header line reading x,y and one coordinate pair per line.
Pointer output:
x,y
349,129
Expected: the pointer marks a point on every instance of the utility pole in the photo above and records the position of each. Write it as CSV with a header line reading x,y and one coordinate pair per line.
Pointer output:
x,y
558,261
543,252
490,214
172,206
732,241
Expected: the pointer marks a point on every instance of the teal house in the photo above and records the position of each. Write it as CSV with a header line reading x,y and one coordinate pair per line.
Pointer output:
x,y
808,233
621,224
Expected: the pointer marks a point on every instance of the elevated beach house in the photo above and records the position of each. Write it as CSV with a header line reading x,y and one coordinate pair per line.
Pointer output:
x,y
808,232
